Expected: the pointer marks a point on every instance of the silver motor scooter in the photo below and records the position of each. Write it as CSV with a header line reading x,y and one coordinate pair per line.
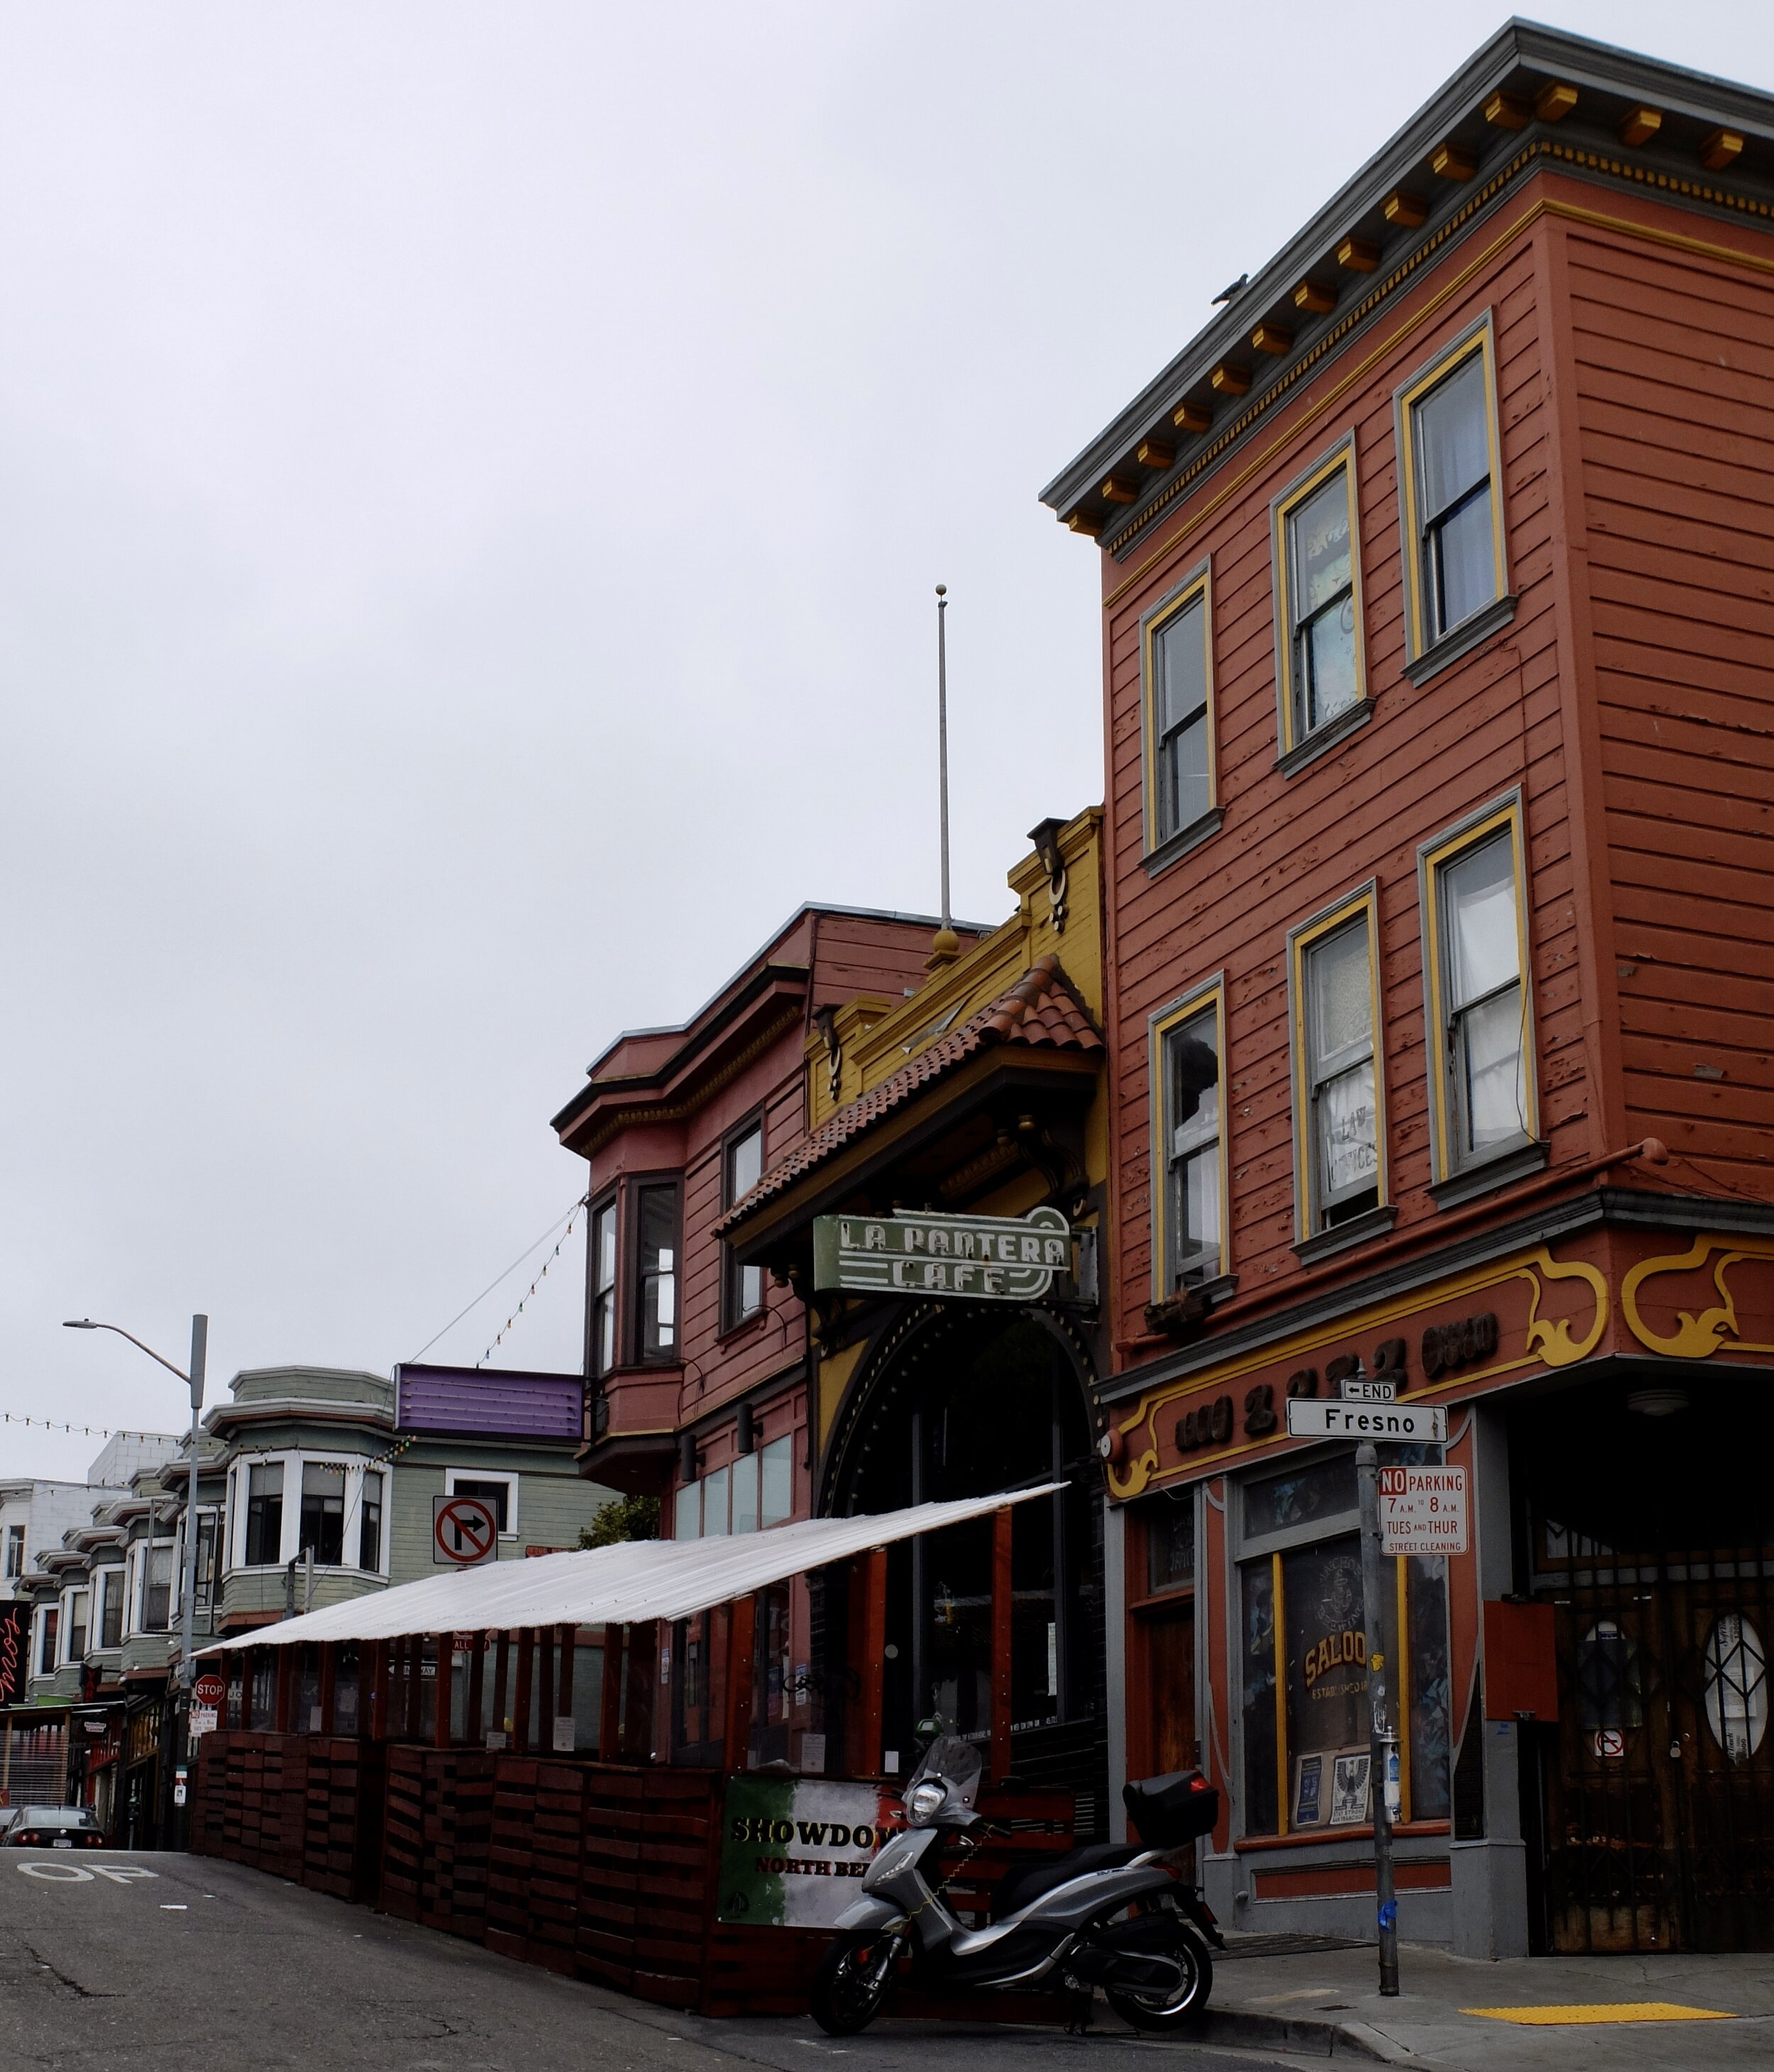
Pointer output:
x,y
1123,1916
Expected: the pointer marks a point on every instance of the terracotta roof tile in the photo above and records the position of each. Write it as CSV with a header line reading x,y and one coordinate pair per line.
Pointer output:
x,y
1041,1010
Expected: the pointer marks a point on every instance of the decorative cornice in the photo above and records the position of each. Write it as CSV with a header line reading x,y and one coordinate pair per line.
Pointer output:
x,y
706,1090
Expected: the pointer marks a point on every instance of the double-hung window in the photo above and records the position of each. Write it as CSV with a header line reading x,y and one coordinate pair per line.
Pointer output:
x,y
1176,662
1338,1093
1190,1146
743,1161
601,1330
110,1590
157,1587
324,1513
46,1645
77,1603
1318,600
15,1550
1451,493
369,1523
265,1514
656,1271
1477,1004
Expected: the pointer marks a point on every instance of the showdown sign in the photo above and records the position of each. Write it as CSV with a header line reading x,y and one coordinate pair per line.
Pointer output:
x,y
793,1848
998,1259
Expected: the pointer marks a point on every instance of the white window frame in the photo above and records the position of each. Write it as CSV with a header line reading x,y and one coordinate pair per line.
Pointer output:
x,y
508,1476
64,1629
1503,815
102,1586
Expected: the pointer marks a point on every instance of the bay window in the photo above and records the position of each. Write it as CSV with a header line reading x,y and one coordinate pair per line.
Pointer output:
x,y
656,1271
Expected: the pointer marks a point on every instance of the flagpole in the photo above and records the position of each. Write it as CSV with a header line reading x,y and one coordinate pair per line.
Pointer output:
x,y
942,738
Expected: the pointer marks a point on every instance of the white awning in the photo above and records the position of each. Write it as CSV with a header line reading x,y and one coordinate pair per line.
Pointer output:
x,y
622,1585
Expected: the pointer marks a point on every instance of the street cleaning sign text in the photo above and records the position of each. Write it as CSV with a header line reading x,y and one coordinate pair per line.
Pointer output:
x,y
1422,1511
1004,1259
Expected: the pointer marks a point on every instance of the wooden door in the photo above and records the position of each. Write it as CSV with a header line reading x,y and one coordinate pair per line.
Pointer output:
x,y
1170,1656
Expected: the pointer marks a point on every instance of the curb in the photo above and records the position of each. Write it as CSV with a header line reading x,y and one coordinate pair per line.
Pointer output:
x,y
1301,2034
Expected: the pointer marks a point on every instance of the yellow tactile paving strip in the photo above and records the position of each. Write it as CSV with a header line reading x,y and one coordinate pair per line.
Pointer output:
x,y
1558,2017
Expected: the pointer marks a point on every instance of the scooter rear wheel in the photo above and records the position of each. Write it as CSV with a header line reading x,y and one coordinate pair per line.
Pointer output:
x,y
1179,2008
851,1986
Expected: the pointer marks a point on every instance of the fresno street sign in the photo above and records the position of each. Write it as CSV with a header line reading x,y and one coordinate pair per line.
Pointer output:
x,y
1004,1259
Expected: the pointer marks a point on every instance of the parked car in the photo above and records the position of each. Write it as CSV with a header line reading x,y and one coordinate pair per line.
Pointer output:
x,y
53,1827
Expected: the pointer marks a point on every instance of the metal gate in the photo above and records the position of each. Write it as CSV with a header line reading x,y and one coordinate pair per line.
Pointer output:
x,y
1657,1795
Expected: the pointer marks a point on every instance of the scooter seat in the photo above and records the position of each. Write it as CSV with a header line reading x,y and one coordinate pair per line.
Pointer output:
x,y
1018,1887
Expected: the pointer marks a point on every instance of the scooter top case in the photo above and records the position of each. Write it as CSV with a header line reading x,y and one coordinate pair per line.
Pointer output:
x,y
1167,1811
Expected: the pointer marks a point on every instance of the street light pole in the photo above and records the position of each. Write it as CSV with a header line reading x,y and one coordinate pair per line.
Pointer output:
x,y
200,1353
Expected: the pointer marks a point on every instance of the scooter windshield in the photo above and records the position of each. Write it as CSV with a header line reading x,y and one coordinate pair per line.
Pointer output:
x,y
952,1763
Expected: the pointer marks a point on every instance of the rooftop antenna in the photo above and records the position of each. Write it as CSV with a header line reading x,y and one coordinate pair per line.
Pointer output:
x,y
947,944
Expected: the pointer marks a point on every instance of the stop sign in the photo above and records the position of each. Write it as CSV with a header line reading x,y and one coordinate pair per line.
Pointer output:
x,y
208,1691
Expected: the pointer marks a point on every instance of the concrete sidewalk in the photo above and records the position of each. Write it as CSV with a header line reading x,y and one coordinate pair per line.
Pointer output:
x,y
1325,2002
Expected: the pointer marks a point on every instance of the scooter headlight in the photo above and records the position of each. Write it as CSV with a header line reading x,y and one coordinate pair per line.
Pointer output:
x,y
924,1800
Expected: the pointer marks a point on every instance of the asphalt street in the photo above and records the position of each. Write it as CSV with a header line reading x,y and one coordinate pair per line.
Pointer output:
x,y
109,1961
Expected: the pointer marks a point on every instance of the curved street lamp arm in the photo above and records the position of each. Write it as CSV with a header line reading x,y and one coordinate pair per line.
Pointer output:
x,y
89,1323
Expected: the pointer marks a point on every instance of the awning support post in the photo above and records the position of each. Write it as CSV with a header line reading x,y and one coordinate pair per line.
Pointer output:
x,y
1003,1603
873,1569
283,1702
445,1690
742,1629
526,1671
477,1679
415,1687
545,1637
609,1712
502,1684
569,1638
329,1684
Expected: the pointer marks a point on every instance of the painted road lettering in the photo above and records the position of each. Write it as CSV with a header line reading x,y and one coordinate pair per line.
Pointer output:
x,y
63,1873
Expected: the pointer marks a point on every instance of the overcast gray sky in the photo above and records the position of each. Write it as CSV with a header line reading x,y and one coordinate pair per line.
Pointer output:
x,y
471,482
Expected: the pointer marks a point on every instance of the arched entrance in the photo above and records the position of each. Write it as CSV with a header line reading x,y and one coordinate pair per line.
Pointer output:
x,y
958,1402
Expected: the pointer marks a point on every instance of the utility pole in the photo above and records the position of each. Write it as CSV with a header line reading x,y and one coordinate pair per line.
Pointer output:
x,y
187,1615
1382,1742
942,738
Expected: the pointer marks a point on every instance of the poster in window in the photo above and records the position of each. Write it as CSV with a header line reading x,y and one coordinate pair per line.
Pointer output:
x,y
1349,1789
1327,1647
1308,1804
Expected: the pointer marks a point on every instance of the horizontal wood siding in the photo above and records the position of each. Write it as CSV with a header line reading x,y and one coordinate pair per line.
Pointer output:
x,y
1674,358
1290,846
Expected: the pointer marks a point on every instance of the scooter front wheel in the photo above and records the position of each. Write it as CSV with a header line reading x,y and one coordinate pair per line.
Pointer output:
x,y
851,1985
1184,2003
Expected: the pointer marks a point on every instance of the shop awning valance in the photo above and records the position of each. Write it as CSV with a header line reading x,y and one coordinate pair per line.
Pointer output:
x,y
622,1585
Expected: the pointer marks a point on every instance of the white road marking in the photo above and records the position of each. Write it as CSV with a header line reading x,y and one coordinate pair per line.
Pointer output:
x,y
58,1874
125,1874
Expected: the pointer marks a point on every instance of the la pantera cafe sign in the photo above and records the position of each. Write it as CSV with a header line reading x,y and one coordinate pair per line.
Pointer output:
x,y
1003,1259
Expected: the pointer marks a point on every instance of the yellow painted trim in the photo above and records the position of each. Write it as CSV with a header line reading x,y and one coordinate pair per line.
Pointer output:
x,y
1211,996
1695,1337
1365,904
1547,1345
1435,860
1342,459
1432,377
1201,589
1279,1635
1403,1684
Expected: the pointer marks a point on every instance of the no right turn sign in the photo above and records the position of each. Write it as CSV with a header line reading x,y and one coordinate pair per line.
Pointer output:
x,y
464,1530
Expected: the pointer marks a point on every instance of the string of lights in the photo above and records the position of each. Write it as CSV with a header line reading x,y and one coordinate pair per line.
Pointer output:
x,y
87,1431
536,1283
527,1251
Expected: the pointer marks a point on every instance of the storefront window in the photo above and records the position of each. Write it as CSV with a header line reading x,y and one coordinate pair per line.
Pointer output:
x,y
1610,1679
1169,1545
1306,1719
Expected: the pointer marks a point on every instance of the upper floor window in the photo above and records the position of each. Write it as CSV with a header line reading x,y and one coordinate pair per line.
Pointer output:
x,y
1177,672
656,1270
1478,1007
46,1641
753,1491
110,1626
157,1587
1451,492
15,1550
496,1489
1340,1136
78,1603
744,1162
601,1330
369,1523
265,1514
1192,1193
1318,598
324,1513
